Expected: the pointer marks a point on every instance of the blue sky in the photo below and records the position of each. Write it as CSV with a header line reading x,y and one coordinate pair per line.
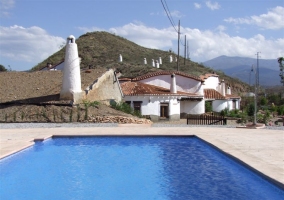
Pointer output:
x,y
32,30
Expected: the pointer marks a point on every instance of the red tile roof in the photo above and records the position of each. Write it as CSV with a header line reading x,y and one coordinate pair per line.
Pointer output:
x,y
232,96
213,94
158,73
137,88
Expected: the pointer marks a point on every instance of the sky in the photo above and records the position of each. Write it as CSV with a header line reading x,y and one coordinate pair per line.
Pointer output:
x,y
32,30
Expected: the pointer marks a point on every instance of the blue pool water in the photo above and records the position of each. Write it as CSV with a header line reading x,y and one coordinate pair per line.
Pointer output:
x,y
128,168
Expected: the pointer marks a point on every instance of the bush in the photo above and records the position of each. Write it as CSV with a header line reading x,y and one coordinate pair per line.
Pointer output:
x,y
280,110
124,107
250,109
264,118
224,112
263,101
208,106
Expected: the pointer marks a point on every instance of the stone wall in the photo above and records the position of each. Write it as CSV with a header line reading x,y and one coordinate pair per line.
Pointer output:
x,y
105,89
119,120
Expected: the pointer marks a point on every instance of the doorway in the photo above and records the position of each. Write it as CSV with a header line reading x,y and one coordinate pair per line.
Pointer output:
x,y
164,110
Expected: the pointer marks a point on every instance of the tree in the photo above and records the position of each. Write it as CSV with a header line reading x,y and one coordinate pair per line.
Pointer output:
x,y
263,101
2,68
281,65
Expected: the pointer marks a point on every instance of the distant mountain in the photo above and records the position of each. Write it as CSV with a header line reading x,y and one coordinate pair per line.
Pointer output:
x,y
240,67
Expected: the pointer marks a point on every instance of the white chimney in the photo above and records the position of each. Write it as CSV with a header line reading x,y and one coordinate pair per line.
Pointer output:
x,y
145,61
157,64
153,63
160,60
171,58
120,58
71,84
223,88
173,84
228,90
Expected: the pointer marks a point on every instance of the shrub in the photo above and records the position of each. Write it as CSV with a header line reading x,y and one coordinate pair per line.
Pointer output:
x,y
264,118
224,112
124,107
243,118
263,101
208,106
250,109
280,110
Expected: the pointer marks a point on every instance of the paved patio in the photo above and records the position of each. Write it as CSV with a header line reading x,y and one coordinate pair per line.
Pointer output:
x,y
261,149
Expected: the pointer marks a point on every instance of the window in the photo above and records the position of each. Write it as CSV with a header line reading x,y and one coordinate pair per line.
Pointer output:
x,y
234,104
137,105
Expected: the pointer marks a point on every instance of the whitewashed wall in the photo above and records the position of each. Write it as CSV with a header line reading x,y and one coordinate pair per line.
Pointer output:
x,y
151,104
192,107
230,104
219,105
57,67
183,83
211,83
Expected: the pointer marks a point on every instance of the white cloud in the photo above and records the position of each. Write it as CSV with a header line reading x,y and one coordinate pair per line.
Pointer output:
x,y
197,5
5,6
203,45
176,14
31,44
273,19
221,28
91,29
146,36
213,6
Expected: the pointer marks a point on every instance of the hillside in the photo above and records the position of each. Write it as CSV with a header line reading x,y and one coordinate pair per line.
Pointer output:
x,y
102,49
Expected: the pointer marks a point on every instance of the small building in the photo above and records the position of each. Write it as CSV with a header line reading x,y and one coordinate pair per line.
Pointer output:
x,y
174,94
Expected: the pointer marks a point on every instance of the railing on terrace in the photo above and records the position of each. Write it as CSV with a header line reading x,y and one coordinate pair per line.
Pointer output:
x,y
206,119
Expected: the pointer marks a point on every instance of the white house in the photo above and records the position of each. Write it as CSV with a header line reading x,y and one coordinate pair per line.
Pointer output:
x,y
219,94
50,67
174,94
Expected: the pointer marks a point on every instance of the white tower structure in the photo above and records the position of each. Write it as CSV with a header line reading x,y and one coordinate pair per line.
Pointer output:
x,y
173,88
145,61
153,63
157,64
120,58
71,84
160,60
223,88
229,90
171,58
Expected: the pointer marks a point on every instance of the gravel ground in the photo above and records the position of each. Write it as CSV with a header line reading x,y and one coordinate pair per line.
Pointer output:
x,y
58,125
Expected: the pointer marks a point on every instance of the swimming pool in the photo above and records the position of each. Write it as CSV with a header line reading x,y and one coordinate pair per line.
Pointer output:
x,y
128,168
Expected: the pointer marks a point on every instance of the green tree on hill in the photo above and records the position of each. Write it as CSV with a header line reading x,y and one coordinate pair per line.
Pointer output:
x,y
2,68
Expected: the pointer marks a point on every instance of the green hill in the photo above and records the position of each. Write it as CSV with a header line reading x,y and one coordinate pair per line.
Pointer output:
x,y
102,49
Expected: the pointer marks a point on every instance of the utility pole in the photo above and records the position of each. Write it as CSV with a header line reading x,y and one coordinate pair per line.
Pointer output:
x,y
184,49
187,50
255,95
257,70
178,44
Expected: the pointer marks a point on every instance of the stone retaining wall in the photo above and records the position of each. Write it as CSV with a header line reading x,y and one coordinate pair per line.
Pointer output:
x,y
118,119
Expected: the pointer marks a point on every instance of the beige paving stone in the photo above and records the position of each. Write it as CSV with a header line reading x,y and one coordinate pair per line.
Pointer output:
x,y
261,149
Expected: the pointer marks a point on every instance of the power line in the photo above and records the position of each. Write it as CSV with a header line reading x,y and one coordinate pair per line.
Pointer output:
x,y
169,15
169,12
